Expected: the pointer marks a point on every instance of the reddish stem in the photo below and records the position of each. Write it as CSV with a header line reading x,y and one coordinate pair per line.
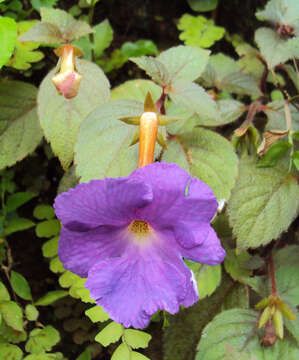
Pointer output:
x,y
272,275
160,104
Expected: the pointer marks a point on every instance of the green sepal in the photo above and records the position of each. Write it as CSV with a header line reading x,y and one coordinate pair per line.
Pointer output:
x,y
167,120
286,311
278,323
131,120
263,303
149,105
135,138
161,140
265,317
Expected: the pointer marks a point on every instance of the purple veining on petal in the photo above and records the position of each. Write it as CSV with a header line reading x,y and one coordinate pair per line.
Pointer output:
x,y
129,237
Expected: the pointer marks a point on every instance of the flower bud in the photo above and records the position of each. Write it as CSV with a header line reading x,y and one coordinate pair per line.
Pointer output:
x,y
67,81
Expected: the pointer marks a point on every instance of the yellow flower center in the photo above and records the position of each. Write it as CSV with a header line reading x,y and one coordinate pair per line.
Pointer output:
x,y
140,228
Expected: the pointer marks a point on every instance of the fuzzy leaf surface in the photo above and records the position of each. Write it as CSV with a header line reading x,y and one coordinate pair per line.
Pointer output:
x,y
8,37
263,204
61,118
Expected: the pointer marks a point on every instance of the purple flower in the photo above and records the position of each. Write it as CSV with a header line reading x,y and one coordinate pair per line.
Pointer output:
x,y
128,236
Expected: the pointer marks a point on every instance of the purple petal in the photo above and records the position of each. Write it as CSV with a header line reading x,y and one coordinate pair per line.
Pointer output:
x,y
209,252
79,251
101,202
146,278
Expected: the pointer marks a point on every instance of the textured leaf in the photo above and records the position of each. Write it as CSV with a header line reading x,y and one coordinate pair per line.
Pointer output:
x,y
24,53
48,228
101,133
11,335
42,212
16,200
199,31
275,152
44,356
287,279
18,224
60,118
223,73
274,49
42,340
43,33
4,294
234,265
229,111
234,328
56,265
184,63
110,334
276,116
194,98
96,314
51,297
103,35
31,312
10,352
50,247
137,356
12,314
136,90
8,37
202,5
154,68
67,279
263,204
20,286
136,338
70,28
139,48
38,4
206,155
121,353
20,132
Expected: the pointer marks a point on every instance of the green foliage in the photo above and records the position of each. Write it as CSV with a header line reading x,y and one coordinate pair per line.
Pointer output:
x,y
8,37
199,31
96,314
51,297
103,35
139,48
202,5
110,334
263,204
42,212
4,294
10,352
17,199
31,312
12,314
18,224
42,340
136,339
276,152
50,247
48,228
61,127
20,131
202,153
20,286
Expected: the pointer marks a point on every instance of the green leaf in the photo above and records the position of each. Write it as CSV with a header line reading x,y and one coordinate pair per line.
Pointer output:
x,y
61,126
223,73
199,31
43,33
20,132
194,98
103,35
84,356
41,212
203,154
48,228
229,110
31,312
12,314
38,4
50,247
136,90
18,224
139,48
110,334
11,335
16,200
97,313
4,294
293,325
20,286
121,353
51,297
41,340
10,352
67,279
8,37
208,279
295,158
137,356
235,265
136,338
56,265
102,133
203,5
263,203
184,63
276,152
44,356
274,49
79,291
24,53
276,116
70,28
287,281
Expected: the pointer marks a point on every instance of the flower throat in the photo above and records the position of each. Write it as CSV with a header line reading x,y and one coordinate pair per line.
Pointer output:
x,y
140,228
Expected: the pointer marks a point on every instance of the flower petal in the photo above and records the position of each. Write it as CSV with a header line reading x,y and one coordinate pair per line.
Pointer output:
x,y
209,252
79,251
134,286
101,202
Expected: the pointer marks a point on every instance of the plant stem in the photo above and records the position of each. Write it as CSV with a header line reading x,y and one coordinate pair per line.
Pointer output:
x,y
272,275
160,104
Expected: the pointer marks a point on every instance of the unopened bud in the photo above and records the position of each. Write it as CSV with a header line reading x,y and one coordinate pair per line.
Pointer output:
x,y
67,81
278,323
